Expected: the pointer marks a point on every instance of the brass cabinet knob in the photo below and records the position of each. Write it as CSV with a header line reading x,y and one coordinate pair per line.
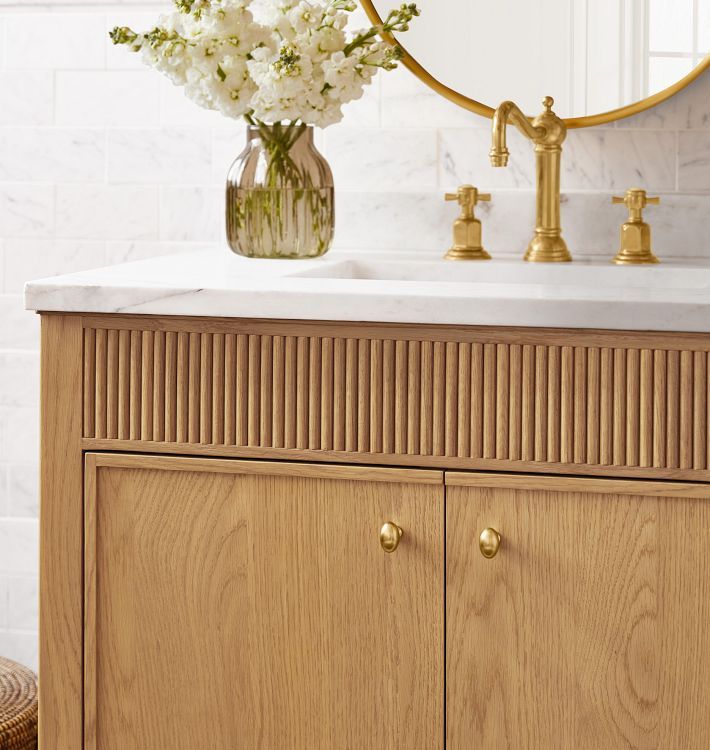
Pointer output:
x,y
390,536
489,542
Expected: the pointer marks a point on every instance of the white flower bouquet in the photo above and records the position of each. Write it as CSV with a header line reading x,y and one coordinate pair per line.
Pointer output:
x,y
268,60
283,66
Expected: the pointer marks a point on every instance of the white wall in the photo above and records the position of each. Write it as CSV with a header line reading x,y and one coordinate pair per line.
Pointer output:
x,y
102,161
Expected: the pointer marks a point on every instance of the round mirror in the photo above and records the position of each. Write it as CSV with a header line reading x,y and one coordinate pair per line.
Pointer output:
x,y
599,59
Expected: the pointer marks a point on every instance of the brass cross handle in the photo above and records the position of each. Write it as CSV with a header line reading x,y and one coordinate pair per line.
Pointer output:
x,y
636,200
468,197
489,543
390,536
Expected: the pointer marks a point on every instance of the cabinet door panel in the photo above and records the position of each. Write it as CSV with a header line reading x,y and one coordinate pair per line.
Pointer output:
x,y
588,629
250,605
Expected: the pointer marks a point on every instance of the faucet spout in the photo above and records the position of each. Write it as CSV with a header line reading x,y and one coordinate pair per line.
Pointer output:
x,y
547,132
509,112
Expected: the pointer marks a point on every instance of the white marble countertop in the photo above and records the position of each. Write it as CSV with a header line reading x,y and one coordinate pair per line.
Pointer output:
x,y
391,288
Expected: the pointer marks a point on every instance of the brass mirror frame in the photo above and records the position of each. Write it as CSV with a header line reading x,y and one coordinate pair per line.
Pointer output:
x,y
572,122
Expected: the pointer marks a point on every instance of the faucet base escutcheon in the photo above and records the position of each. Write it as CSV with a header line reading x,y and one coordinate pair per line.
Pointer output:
x,y
546,248
465,253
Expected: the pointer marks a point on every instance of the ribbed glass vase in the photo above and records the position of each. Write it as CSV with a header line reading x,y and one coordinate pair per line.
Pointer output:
x,y
280,197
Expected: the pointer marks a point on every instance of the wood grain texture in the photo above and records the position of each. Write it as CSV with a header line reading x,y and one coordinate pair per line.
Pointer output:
x,y
671,341
61,531
588,629
281,638
270,468
607,403
386,459
577,484
568,402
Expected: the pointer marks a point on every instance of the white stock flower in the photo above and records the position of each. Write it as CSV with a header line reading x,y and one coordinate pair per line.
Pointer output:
x,y
271,60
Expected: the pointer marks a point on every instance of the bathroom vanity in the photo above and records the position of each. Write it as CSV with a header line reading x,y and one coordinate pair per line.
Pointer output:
x,y
230,448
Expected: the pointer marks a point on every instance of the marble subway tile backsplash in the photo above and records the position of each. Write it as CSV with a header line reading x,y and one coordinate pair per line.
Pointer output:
x,y
191,213
105,211
27,210
693,160
405,103
107,98
603,159
166,156
19,542
102,161
23,490
32,154
361,162
33,258
67,41
27,99
19,374
18,330
463,152
591,223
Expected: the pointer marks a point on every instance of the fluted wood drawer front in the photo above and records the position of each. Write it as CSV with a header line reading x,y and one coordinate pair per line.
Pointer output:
x,y
565,398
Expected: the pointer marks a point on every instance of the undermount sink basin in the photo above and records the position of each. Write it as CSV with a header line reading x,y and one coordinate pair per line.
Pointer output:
x,y
512,272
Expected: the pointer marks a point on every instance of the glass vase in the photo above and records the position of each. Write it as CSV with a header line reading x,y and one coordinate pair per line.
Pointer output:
x,y
280,197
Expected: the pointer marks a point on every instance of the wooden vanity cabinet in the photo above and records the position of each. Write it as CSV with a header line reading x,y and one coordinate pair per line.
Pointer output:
x,y
589,628
211,572
234,604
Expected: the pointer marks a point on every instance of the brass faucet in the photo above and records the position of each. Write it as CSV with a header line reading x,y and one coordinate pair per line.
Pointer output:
x,y
467,228
547,131
635,232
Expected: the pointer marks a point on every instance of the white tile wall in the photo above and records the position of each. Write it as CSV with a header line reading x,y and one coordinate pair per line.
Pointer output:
x,y
26,210
67,41
115,212
65,155
166,156
102,161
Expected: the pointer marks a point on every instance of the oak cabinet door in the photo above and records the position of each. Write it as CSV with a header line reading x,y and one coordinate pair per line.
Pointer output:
x,y
590,627
238,604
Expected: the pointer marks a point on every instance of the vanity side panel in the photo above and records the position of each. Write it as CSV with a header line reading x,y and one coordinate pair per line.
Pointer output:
x,y
591,402
61,534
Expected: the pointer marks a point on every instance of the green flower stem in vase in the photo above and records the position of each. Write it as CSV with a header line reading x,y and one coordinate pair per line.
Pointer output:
x,y
280,197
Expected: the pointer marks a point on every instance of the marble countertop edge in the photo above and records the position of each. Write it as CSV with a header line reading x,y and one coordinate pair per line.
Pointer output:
x,y
506,294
